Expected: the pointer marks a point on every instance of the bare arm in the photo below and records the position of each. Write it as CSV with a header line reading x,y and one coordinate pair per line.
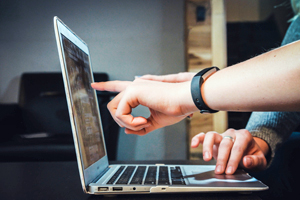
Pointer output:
x,y
269,82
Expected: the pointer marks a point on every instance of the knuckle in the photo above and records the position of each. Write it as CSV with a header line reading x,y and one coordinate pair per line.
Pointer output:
x,y
109,105
211,133
247,135
230,130
118,115
238,148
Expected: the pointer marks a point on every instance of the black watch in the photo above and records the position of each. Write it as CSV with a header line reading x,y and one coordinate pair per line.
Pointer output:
x,y
197,81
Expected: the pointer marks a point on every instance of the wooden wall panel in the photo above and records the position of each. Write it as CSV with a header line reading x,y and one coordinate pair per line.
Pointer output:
x,y
205,47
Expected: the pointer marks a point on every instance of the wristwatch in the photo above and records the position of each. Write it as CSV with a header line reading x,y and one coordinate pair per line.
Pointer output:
x,y
196,84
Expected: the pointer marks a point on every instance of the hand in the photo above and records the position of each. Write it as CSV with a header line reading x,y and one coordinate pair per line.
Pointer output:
x,y
171,78
168,103
244,150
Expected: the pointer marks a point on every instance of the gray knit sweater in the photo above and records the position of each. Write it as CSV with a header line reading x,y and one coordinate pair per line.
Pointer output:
x,y
276,127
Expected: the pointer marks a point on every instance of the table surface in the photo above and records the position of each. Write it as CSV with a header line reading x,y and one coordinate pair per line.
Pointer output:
x,y
60,180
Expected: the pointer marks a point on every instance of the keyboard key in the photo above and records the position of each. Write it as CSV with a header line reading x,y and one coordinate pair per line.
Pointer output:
x,y
151,176
126,175
115,176
176,176
138,176
163,176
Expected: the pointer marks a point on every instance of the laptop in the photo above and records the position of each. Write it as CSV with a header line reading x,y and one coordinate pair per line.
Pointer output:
x,y
96,174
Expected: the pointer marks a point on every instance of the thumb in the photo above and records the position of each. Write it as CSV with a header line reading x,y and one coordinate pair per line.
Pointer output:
x,y
255,162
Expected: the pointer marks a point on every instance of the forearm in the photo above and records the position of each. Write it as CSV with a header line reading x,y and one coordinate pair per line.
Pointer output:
x,y
269,82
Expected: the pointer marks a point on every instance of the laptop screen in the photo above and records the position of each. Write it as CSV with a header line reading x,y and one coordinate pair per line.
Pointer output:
x,y
84,103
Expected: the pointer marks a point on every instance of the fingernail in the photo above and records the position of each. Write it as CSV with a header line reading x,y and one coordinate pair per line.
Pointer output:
x,y
206,155
229,170
219,169
194,143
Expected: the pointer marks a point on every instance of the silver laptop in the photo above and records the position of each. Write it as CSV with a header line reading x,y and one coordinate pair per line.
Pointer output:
x,y
96,174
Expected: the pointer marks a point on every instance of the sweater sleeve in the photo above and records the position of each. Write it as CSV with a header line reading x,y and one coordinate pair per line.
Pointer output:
x,y
273,127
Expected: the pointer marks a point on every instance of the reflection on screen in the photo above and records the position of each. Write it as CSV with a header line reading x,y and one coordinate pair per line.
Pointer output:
x,y
84,104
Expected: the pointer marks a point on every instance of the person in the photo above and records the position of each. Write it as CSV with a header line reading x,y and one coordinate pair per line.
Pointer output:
x,y
264,83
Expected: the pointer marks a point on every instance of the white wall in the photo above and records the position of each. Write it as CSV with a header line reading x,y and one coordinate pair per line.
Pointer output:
x,y
126,38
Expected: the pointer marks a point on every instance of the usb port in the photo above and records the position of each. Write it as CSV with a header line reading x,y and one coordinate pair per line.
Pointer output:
x,y
103,189
117,188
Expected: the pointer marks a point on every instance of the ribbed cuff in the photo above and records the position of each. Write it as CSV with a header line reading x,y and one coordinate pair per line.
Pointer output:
x,y
273,143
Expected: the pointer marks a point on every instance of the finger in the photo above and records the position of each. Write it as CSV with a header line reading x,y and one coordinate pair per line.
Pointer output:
x,y
255,162
223,155
171,78
135,123
210,139
152,120
141,132
197,139
241,144
216,151
112,86
122,108
112,108
165,78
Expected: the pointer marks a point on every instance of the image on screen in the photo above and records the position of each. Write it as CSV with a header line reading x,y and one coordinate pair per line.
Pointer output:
x,y
84,103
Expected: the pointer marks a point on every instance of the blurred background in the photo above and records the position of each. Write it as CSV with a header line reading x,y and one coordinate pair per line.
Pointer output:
x,y
128,38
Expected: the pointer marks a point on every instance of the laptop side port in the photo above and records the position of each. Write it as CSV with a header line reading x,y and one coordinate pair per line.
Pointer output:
x,y
102,189
117,189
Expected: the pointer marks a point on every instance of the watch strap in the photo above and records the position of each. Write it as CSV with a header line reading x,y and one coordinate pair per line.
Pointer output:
x,y
196,84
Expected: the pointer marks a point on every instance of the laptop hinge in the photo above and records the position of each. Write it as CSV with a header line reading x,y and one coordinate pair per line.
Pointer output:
x,y
100,175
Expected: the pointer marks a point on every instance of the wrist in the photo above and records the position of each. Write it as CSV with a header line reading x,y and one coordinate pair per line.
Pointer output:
x,y
263,145
186,100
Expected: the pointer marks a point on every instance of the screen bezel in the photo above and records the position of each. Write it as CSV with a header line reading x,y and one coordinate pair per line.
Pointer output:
x,y
92,172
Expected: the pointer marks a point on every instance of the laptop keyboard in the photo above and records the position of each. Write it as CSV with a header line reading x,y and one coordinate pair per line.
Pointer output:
x,y
143,175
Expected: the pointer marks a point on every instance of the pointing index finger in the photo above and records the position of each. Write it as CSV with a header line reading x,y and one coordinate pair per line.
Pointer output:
x,y
112,86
